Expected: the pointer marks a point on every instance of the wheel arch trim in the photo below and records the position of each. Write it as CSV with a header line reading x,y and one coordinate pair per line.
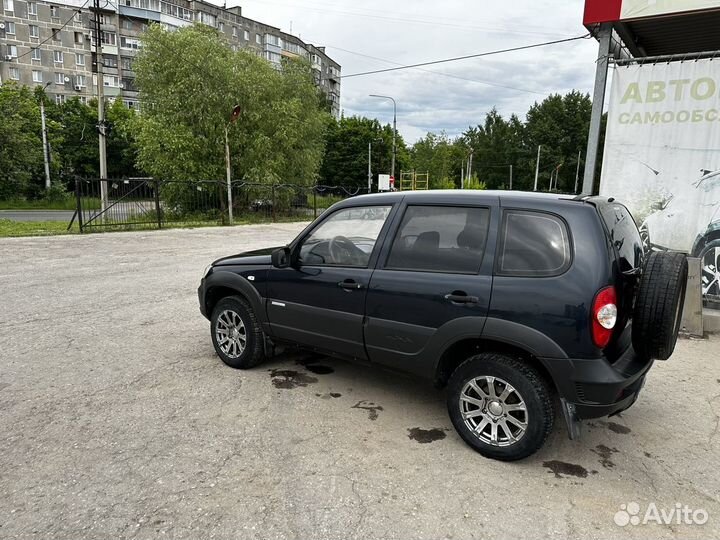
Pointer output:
x,y
231,280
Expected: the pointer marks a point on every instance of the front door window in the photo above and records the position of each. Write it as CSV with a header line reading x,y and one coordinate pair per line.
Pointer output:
x,y
346,238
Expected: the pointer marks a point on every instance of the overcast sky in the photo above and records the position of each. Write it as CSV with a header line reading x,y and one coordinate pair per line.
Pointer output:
x,y
375,34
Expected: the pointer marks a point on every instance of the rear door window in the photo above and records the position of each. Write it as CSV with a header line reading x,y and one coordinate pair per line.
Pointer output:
x,y
624,234
533,244
440,239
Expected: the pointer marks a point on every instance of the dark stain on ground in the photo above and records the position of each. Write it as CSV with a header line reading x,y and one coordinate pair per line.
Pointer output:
x,y
424,436
562,469
617,428
288,379
647,454
370,407
319,369
329,395
605,452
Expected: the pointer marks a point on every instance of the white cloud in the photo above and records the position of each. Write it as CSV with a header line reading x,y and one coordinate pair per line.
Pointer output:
x,y
412,31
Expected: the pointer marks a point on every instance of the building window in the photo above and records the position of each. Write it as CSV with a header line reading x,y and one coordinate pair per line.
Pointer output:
x,y
79,37
58,57
32,8
10,28
14,73
35,54
56,34
110,61
177,12
80,81
109,38
59,78
258,39
59,99
234,31
130,43
12,51
54,11
221,27
9,5
34,31
130,104
127,63
127,24
37,76
111,81
83,100
78,17
246,35
79,59
273,57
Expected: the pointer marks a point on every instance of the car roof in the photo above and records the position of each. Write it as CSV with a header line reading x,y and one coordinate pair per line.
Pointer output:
x,y
458,195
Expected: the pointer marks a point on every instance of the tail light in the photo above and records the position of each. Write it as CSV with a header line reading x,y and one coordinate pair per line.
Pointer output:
x,y
604,316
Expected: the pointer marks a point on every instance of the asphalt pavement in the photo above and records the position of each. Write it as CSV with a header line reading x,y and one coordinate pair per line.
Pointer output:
x,y
37,215
117,420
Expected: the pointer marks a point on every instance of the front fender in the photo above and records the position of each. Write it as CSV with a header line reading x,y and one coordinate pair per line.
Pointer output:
x,y
711,233
231,280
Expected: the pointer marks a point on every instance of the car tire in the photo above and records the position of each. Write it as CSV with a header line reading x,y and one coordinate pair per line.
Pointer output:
x,y
659,305
236,333
492,424
710,270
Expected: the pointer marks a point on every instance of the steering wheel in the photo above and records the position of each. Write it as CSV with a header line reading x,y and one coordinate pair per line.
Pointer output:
x,y
342,250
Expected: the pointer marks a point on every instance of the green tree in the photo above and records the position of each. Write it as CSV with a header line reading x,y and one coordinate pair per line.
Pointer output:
x,y
189,82
21,157
345,161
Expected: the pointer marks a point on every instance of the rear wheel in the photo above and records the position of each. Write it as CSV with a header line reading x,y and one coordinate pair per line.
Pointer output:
x,y
500,406
659,305
236,333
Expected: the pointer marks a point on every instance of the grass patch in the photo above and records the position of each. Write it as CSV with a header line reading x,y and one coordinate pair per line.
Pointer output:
x,y
10,228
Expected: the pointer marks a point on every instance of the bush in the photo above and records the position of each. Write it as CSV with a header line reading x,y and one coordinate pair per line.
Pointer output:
x,y
474,183
446,183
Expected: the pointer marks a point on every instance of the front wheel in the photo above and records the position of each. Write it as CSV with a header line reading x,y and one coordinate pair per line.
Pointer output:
x,y
500,406
236,333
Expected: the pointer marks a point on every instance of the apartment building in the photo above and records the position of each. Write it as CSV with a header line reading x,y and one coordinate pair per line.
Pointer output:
x,y
53,44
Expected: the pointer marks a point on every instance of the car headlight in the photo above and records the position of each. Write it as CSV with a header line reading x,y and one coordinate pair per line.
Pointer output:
x,y
207,270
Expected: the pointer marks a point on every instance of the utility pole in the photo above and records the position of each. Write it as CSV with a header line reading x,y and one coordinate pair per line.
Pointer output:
x,y
462,175
46,155
537,167
511,177
228,170
370,167
469,175
101,110
577,172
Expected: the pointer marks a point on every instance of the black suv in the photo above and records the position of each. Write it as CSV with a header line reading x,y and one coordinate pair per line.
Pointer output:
x,y
507,298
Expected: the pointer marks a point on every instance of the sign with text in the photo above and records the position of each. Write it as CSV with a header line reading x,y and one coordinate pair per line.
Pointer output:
x,y
662,157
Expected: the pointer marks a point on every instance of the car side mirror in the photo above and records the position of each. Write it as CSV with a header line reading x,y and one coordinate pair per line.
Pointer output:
x,y
281,257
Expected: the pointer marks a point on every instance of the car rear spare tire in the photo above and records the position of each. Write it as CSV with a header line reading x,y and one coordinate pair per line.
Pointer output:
x,y
659,305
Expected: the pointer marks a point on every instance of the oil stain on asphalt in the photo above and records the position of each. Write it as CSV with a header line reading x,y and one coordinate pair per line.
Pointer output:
x,y
562,469
311,365
424,436
605,452
370,407
617,428
288,378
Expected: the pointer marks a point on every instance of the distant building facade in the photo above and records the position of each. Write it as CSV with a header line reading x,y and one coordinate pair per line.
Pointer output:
x,y
45,42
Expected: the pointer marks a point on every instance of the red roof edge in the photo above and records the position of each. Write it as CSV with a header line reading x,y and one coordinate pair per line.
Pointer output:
x,y
599,11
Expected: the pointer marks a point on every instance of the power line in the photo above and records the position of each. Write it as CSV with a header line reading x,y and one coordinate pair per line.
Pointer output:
x,y
478,55
450,75
78,10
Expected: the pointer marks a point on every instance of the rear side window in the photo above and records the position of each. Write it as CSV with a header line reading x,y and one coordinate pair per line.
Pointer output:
x,y
533,244
440,239
624,234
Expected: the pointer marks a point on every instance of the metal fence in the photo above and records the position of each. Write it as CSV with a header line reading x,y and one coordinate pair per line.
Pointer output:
x,y
150,203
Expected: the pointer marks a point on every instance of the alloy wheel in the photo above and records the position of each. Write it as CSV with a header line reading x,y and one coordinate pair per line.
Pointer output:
x,y
230,333
493,410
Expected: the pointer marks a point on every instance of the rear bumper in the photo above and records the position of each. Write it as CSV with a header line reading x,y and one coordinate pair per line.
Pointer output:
x,y
596,387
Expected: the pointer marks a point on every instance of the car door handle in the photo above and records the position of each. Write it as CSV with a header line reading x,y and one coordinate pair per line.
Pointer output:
x,y
350,285
461,298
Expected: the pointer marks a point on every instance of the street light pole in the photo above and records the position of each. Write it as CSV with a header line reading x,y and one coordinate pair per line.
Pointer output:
x,y
101,110
394,149
370,167
228,170
46,157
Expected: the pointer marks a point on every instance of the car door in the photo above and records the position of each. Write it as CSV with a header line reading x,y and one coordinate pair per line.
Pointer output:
x,y
432,284
320,300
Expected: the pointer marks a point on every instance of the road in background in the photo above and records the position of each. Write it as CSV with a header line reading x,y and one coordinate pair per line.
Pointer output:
x,y
37,215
